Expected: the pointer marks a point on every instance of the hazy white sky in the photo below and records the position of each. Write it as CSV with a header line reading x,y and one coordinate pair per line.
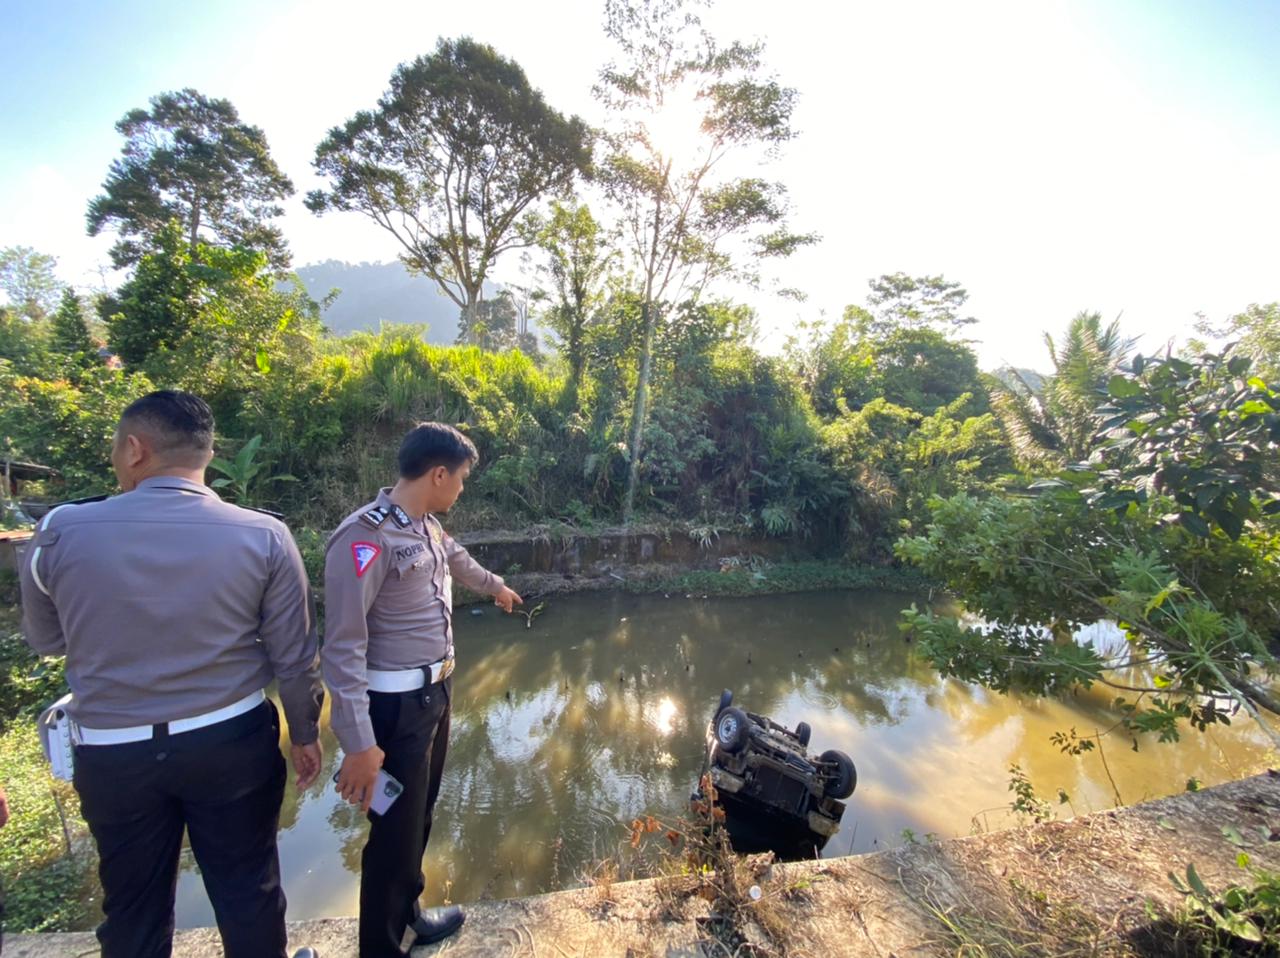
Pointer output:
x,y
1121,156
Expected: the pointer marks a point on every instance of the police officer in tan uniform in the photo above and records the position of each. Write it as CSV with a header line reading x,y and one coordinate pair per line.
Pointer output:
x,y
174,611
387,659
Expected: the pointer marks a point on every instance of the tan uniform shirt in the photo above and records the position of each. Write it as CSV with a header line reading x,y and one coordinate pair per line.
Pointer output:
x,y
170,603
388,604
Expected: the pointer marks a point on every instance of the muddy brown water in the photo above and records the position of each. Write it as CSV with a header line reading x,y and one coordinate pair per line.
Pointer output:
x,y
565,731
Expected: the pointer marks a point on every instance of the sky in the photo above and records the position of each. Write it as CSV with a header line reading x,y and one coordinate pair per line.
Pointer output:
x,y
1113,155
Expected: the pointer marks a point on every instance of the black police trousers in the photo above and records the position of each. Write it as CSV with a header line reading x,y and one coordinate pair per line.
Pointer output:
x,y
412,729
224,785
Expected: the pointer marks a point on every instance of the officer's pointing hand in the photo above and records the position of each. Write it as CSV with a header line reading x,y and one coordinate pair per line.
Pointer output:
x,y
506,599
306,762
358,774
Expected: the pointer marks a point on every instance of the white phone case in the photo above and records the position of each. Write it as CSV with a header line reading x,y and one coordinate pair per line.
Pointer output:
x,y
385,791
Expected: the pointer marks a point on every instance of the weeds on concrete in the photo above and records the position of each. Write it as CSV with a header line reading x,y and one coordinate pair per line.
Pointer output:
x,y
1030,925
1241,919
695,860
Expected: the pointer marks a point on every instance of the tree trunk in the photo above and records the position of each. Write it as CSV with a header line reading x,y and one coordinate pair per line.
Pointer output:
x,y
639,410
466,321
577,359
195,225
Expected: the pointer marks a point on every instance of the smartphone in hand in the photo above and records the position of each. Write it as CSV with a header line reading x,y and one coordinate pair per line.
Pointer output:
x,y
385,791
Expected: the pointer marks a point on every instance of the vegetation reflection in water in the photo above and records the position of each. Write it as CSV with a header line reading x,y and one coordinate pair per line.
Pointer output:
x,y
564,731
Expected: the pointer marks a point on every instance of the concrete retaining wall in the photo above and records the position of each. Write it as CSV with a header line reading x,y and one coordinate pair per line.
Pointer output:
x,y
1093,875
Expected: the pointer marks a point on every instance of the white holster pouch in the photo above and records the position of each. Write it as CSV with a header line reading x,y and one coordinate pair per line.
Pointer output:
x,y
57,738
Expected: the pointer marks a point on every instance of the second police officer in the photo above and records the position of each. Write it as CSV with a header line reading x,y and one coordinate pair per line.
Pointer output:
x,y
387,659
175,610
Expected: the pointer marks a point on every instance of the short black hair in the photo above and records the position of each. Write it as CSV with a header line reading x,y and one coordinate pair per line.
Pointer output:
x,y
179,422
431,444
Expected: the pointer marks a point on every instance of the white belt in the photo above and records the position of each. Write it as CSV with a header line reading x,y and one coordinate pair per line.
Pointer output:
x,y
141,733
408,680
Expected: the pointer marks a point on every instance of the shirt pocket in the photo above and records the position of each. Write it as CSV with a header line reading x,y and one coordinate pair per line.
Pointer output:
x,y
415,566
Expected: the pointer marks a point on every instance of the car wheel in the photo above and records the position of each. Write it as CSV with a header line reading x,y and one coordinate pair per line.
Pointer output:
x,y
803,732
726,699
733,728
842,777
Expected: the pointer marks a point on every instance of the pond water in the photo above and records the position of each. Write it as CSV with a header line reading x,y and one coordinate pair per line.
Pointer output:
x,y
565,731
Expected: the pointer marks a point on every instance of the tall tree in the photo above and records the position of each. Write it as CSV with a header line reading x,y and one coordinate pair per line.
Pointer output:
x,y
159,305
577,264
451,161
69,332
678,218
27,280
897,300
217,320
491,324
24,344
1256,334
190,158
857,360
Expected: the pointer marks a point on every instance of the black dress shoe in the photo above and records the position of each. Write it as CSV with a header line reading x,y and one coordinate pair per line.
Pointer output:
x,y
437,924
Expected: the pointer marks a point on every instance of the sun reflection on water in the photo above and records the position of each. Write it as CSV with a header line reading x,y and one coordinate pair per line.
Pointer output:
x,y
662,716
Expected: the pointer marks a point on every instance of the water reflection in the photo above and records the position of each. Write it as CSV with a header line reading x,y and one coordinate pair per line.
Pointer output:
x,y
597,714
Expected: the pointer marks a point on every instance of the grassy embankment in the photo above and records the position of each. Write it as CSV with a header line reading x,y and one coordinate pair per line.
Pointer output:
x,y
46,859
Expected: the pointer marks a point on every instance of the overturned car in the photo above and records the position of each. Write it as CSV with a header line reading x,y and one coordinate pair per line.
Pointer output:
x,y
774,796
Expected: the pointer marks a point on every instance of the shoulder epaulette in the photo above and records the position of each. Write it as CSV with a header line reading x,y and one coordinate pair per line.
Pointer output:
x,y
79,502
375,516
265,512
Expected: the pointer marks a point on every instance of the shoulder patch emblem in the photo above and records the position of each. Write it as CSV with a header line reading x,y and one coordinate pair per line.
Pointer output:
x,y
375,516
401,517
364,553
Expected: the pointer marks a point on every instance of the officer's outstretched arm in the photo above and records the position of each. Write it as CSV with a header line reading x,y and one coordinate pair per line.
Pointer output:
x,y
470,572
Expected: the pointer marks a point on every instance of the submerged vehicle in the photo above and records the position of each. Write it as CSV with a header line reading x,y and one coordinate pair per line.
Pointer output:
x,y
775,797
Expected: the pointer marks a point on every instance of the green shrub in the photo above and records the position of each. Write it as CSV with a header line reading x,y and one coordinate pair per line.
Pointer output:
x,y
46,859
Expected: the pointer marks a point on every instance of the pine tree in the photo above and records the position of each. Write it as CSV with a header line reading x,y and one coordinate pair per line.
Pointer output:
x,y
70,330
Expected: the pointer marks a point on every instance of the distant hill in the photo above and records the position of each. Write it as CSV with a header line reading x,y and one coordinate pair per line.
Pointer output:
x,y
1009,375
373,293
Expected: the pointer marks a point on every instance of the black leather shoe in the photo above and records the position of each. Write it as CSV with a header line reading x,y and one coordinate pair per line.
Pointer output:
x,y
437,924
306,953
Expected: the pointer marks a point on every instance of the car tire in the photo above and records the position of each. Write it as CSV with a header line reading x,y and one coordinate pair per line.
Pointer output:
x,y
802,733
843,778
733,729
726,699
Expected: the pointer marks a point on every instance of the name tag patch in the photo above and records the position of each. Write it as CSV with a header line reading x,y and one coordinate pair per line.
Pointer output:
x,y
405,552
364,553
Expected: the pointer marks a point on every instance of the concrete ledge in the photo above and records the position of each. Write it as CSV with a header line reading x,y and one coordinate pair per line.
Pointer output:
x,y
1095,874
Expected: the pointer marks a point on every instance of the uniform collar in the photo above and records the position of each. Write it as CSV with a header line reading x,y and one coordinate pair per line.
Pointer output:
x,y
384,502
175,482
